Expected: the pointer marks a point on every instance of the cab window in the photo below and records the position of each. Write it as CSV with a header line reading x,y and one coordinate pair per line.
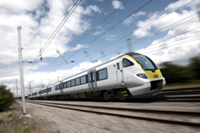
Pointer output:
x,y
127,63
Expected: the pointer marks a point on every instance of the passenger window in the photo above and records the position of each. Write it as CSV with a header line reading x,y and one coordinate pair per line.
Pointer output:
x,y
83,79
102,74
68,84
118,67
78,81
72,83
127,63
65,85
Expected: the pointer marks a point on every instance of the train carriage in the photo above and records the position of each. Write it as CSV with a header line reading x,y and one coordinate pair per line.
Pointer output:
x,y
129,75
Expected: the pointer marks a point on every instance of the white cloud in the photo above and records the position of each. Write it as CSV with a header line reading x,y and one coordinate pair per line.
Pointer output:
x,y
116,4
45,78
97,33
19,6
130,19
180,3
78,46
37,21
38,18
89,10
178,43
110,37
176,48
154,23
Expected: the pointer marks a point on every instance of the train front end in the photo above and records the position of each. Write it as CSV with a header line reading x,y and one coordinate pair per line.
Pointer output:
x,y
144,77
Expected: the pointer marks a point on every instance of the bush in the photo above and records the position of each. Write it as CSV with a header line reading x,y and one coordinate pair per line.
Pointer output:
x,y
6,98
181,74
175,73
195,67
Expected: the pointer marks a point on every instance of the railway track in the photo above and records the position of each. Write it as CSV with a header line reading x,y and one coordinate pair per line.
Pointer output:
x,y
187,118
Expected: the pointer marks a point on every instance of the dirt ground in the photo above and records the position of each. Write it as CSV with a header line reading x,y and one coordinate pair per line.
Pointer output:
x,y
12,122
70,121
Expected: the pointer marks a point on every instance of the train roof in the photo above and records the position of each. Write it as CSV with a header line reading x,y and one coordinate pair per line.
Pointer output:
x,y
130,54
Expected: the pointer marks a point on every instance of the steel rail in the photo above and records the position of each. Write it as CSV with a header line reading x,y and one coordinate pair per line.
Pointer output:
x,y
106,111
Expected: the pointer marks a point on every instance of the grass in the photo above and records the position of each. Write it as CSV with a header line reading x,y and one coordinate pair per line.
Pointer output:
x,y
10,122
10,115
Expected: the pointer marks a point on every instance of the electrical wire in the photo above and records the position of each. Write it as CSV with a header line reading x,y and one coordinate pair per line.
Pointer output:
x,y
146,37
123,37
140,28
125,46
62,25
97,24
100,23
197,37
112,27
55,32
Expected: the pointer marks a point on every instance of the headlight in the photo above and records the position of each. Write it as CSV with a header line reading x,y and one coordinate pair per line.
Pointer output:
x,y
164,82
142,75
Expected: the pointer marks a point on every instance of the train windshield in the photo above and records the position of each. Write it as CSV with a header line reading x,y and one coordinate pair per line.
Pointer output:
x,y
145,62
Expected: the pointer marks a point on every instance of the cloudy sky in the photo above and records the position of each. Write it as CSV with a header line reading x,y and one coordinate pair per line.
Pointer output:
x,y
96,30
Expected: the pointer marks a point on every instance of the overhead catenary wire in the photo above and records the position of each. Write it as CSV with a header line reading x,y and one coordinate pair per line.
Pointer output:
x,y
55,32
110,29
125,46
173,45
100,23
195,38
142,52
141,39
70,13
148,24
113,27
122,21
61,63
131,32
47,67
95,26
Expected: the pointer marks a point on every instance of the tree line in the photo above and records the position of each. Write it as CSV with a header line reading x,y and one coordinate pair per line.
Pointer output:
x,y
181,74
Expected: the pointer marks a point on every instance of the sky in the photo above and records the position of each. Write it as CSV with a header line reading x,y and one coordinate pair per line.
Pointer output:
x,y
95,32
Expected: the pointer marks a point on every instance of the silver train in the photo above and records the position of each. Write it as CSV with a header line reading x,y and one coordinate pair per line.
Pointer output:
x,y
129,75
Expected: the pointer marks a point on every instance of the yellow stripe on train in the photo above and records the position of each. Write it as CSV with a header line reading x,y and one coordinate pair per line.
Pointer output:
x,y
149,73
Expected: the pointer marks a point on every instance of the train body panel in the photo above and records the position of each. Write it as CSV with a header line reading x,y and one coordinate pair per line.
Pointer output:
x,y
110,80
134,72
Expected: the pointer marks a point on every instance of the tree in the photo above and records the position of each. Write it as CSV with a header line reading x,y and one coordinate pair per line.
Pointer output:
x,y
175,73
195,67
6,98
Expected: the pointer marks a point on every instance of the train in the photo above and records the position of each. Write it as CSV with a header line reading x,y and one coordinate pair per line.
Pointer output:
x,y
127,76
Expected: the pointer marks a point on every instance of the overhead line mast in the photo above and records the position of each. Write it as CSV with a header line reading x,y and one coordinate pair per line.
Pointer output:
x,y
142,27
141,39
113,26
132,43
96,26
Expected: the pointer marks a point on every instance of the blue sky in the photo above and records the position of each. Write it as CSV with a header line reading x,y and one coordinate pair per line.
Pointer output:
x,y
40,18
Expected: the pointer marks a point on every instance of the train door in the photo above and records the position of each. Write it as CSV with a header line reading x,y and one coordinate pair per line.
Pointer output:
x,y
90,79
61,87
92,82
119,73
